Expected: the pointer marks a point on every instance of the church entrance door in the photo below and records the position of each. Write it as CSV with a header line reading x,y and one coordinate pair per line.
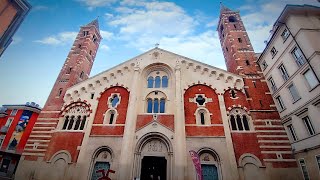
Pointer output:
x,y
153,168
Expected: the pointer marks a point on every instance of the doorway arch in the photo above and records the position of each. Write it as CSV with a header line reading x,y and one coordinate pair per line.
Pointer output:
x,y
153,146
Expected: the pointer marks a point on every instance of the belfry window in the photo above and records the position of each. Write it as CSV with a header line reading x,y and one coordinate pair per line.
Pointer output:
x,y
239,120
232,19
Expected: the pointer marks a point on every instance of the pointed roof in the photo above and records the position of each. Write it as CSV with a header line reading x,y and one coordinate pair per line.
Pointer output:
x,y
223,8
94,23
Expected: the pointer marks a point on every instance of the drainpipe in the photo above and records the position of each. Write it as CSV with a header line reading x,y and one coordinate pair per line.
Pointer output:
x,y
305,57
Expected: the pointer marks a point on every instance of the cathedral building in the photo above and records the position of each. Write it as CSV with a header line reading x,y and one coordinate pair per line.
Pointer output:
x,y
141,118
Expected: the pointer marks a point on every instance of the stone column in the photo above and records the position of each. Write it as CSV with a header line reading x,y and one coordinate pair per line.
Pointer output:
x,y
233,171
127,151
180,158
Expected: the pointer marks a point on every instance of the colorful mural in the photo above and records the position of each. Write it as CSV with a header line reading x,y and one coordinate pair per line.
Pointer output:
x,y
19,130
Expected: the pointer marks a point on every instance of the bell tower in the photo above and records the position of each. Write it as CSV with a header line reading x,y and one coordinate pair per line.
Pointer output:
x,y
77,66
75,69
241,59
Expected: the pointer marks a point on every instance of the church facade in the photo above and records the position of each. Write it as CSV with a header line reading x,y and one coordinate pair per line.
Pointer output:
x,y
142,117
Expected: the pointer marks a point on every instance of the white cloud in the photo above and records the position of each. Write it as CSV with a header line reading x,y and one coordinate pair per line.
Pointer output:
x,y
61,38
40,8
156,18
97,3
105,47
106,34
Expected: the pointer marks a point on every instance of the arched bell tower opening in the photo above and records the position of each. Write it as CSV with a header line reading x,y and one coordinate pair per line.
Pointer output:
x,y
153,157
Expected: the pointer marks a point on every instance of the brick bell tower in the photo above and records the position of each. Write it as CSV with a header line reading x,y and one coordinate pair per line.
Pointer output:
x,y
241,59
75,69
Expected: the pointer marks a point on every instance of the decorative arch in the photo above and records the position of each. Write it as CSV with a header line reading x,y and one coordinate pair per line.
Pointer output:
x,y
210,163
63,154
102,158
81,104
158,75
248,158
239,120
153,144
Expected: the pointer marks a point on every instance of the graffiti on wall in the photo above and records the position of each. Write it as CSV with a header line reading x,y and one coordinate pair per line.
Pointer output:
x,y
19,130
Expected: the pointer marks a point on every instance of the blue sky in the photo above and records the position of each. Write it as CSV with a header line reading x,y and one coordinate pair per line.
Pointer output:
x,y
30,65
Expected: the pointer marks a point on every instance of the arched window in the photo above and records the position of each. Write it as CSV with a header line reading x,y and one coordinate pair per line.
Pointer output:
x,y
83,122
150,82
66,121
81,74
71,123
75,118
78,121
239,120
156,106
164,81
114,100
59,92
233,123
232,19
202,120
149,110
111,117
156,102
157,82
162,105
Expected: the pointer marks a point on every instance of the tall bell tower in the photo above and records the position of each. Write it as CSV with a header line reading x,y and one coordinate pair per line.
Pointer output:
x,y
75,69
240,58
78,64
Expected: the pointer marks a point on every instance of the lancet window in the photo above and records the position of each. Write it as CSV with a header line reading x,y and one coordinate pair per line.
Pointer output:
x,y
239,120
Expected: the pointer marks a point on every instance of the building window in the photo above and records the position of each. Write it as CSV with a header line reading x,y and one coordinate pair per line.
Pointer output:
x,y
239,120
92,96
149,106
273,84
285,34
311,78
94,38
157,82
203,116
9,121
75,118
13,112
264,65
280,103
298,56
233,93
69,70
273,51
232,19
156,102
292,132
227,49
247,62
202,120
283,72
81,75
294,93
162,105
85,33
254,84
308,125
150,82
164,81
239,40
304,169
200,100
114,101
59,92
